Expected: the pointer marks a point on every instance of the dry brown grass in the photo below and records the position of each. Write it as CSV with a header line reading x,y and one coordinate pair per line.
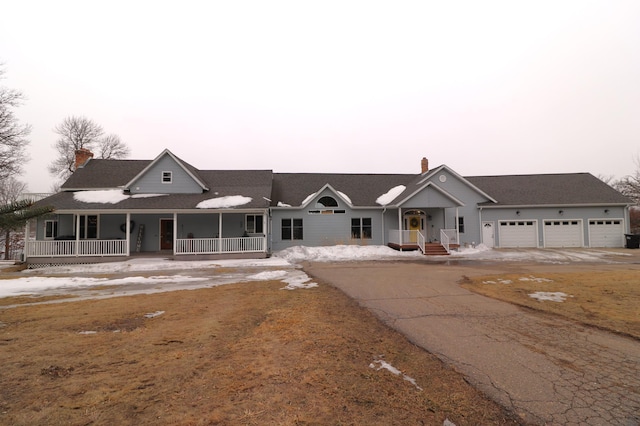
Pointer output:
x,y
238,354
610,300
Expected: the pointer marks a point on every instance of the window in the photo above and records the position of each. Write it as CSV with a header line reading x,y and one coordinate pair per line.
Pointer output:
x,y
327,202
88,226
50,229
167,177
253,224
292,229
461,225
361,228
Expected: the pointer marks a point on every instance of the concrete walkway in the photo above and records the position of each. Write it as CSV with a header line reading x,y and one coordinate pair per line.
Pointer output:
x,y
546,370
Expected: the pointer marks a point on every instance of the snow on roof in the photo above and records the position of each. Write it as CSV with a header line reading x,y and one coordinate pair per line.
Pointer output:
x,y
346,197
108,196
224,202
390,195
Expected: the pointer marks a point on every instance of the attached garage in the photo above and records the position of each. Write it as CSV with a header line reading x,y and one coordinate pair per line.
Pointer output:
x,y
606,233
563,233
522,233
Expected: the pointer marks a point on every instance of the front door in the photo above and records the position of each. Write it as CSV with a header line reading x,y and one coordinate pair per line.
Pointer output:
x,y
414,227
488,234
166,234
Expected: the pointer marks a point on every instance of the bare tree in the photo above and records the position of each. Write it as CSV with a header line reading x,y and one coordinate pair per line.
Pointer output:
x,y
630,185
80,132
112,147
10,191
13,135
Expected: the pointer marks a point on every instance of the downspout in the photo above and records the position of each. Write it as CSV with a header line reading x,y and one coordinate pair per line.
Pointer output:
x,y
457,226
480,226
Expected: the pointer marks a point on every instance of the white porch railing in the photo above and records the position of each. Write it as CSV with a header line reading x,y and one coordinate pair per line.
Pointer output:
x,y
408,237
444,240
452,234
72,248
421,241
220,245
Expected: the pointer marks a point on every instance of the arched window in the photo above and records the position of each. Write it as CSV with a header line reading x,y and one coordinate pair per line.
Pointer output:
x,y
327,201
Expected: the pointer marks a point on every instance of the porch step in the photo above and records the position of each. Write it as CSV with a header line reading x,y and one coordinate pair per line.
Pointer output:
x,y
435,249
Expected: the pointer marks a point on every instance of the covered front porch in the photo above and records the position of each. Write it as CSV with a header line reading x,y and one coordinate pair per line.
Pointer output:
x,y
103,236
427,230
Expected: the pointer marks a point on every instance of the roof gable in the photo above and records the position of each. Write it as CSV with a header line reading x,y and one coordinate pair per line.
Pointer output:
x,y
188,179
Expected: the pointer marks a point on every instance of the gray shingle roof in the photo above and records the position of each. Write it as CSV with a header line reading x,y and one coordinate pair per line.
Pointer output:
x,y
548,189
362,189
105,174
294,188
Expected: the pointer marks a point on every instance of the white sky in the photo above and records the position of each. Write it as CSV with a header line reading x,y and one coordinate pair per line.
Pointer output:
x,y
486,87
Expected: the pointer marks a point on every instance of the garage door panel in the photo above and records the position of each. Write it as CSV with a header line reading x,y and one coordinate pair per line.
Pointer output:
x,y
563,233
518,233
606,233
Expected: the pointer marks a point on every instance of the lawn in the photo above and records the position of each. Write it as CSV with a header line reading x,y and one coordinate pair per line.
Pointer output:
x,y
605,299
236,354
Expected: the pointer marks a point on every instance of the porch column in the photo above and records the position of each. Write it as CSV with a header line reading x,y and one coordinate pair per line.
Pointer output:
x,y
26,241
400,227
175,231
457,227
77,234
220,232
127,232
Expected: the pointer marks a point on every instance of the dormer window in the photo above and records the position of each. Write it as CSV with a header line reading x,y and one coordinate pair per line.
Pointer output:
x,y
327,201
167,177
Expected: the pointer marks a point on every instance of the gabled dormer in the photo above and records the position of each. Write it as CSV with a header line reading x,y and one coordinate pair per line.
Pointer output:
x,y
167,174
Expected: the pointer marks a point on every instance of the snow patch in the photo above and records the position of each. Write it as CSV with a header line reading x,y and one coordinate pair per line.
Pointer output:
x,y
379,364
153,314
309,197
281,204
267,275
390,195
108,196
298,280
345,196
550,296
341,253
535,279
224,202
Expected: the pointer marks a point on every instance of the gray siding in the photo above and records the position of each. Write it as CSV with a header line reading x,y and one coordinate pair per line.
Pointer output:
x,y
151,181
325,229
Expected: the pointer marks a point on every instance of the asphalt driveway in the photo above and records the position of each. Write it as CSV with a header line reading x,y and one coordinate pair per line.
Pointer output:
x,y
545,369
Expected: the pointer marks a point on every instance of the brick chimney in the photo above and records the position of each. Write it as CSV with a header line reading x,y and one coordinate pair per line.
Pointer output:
x,y
424,164
83,155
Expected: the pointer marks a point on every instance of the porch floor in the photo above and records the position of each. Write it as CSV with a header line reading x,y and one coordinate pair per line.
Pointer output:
x,y
431,249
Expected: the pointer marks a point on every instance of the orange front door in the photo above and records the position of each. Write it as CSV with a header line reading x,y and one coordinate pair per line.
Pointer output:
x,y
166,234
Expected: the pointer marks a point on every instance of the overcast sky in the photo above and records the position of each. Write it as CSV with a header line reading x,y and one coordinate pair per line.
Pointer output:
x,y
486,87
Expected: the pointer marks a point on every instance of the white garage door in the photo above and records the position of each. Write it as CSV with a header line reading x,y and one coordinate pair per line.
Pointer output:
x,y
518,233
606,233
563,233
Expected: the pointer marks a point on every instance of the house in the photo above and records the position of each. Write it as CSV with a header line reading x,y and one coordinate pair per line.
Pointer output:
x,y
120,208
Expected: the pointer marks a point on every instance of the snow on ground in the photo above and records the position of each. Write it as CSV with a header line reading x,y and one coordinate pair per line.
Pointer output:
x,y
380,364
557,296
146,275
